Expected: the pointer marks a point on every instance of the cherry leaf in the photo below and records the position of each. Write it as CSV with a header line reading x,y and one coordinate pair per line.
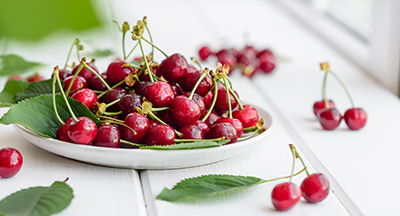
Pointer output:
x,y
11,89
188,145
200,188
38,114
37,88
14,64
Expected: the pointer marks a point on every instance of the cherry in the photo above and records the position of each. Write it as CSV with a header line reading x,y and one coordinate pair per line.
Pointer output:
x,y
355,118
113,95
108,136
205,52
202,125
161,135
212,118
97,84
315,187
141,86
64,73
176,87
116,72
62,131
222,105
145,76
79,83
139,123
199,100
83,131
87,97
248,116
153,122
320,105
264,52
184,110
222,129
35,78
247,54
285,196
329,118
208,99
86,73
15,77
193,76
10,162
235,122
174,68
267,63
191,132
225,57
129,102
159,93
252,66
166,117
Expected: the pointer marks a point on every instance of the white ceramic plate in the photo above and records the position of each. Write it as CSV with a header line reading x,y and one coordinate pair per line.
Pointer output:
x,y
145,158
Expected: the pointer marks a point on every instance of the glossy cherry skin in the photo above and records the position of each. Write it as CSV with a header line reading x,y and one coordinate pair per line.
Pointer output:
x,y
329,118
113,95
202,125
191,78
83,131
222,105
315,187
96,84
184,111
116,72
355,118
199,100
10,162
174,68
235,122
129,103
222,129
166,117
79,83
159,93
35,78
204,53
226,57
139,123
212,118
285,196
191,132
141,86
62,132
161,135
86,73
87,97
108,136
176,87
248,116
208,99
153,122
64,73
320,105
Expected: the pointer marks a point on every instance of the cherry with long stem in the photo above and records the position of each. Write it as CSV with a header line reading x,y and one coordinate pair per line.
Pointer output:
x,y
76,41
145,61
204,74
215,80
55,75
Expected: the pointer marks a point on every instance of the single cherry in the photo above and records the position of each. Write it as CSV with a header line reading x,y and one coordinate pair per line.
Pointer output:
x,y
212,118
174,68
199,100
184,110
208,99
64,73
205,52
176,87
320,105
117,71
222,105
202,125
315,187
108,136
86,73
235,122
10,162
79,83
113,95
139,123
329,118
35,78
83,131
191,78
97,84
62,132
161,135
225,57
87,97
159,93
222,129
129,103
248,116
267,63
285,196
191,132
15,77
355,118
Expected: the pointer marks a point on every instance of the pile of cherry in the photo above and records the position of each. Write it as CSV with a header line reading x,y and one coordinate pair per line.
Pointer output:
x,y
249,60
329,117
154,104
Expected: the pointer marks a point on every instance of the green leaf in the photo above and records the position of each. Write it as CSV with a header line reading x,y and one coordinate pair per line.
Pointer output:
x,y
40,201
37,88
14,64
189,145
199,188
10,90
38,114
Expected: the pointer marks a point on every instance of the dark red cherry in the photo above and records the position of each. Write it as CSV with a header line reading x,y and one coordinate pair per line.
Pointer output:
x,y
116,72
141,86
153,122
166,117
97,84
87,97
79,83
199,100
191,78
315,187
204,53
320,105
247,54
212,118
129,102
355,118
329,118
86,73
285,196
235,122
248,116
174,68
267,63
10,162
222,129
176,87
83,131
159,93
113,95
225,57
108,136
183,110
35,78
64,73
208,99
222,105
161,135
139,123
202,126
62,132
191,132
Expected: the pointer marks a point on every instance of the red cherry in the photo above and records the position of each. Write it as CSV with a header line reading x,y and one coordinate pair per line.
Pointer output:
x,y
355,118
205,52
202,125
225,57
64,73
223,129
35,78
176,87
161,135
248,116
87,97
320,105
10,162
184,111
83,131
212,118
86,73
235,122
159,93
174,68
285,196
315,187
129,102
79,83
191,132
139,123
267,63
222,105
141,86
329,118
208,99
145,76
193,76
15,77
108,136
113,95
97,84
62,132
199,100
116,72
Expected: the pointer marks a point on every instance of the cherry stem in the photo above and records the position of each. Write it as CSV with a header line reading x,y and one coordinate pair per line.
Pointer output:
x,y
249,129
294,162
159,109
112,103
111,119
213,101
153,116
324,90
204,74
151,39
77,51
344,87
229,98
112,113
123,44
73,79
115,86
70,51
251,135
166,56
131,143
131,51
98,75
298,156
145,61
200,140
55,73
66,99
280,178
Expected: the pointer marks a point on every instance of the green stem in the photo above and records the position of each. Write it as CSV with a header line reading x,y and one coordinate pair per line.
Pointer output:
x,y
112,103
159,109
66,99
166,56
213,101
54,97
73,79
204,74
69,53
280,178
236,98
131,51
151,114
229,98
151,39
112,113
105,92
324,90
199,140
249,136
113,120
294,162
131,143
249,129
123,44
344,87
145,61
98,75
77,52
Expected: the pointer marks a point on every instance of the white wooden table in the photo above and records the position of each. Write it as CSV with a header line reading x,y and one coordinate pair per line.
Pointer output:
x,y
362,166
